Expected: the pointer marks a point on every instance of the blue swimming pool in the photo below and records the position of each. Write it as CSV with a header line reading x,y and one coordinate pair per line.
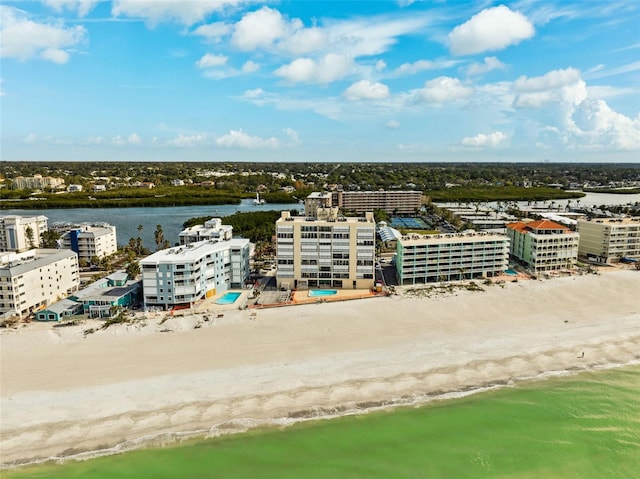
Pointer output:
x,y
322,292
228,298
511,272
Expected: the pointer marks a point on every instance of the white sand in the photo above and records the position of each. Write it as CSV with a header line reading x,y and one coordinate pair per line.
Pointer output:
x,y
63,392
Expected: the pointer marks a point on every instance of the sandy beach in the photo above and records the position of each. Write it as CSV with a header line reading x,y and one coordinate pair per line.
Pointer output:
x,y
65,393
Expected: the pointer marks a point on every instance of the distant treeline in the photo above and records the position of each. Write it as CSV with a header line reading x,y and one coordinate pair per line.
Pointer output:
x,y
127,197
500,193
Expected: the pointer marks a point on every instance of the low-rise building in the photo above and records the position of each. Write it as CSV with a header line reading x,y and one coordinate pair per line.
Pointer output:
x,y
182,275
327,250
212,229
450,257
103,297
543,245
608,240
31,280
89,240
20,233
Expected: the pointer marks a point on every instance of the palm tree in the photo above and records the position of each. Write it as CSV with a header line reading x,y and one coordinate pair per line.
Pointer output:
x,y
133,270
28,232
139,239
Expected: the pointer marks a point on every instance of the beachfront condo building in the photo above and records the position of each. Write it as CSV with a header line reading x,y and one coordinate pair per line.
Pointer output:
x,y
327,250
394,202
31,280
20,233
543,245
89,241
450,257
212,229
183,275
609,240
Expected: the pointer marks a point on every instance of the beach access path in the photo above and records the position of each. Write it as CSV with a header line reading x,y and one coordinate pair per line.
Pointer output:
x,y
64,392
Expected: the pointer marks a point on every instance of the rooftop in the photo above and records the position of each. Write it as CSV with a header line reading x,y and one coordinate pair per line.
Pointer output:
x,y
471,237
193,251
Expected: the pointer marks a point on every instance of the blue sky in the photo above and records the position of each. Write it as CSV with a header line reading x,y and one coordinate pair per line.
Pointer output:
x,y
238,80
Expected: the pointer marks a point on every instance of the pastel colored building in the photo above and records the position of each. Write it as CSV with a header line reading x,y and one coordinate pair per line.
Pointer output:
x,y
450,257
327,250
543,245
32,280
607,240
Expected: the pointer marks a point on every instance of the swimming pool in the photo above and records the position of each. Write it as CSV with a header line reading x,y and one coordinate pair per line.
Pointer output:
x,y
322,292
228,298
511,272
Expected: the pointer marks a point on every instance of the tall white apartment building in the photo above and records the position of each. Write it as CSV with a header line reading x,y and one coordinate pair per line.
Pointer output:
x,y
36,182
608,240
31,280
182,275
212,229
543,245
14,232
450,257
90,240
326,250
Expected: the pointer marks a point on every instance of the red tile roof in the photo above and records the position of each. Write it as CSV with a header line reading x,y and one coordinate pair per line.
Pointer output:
x,y
537,225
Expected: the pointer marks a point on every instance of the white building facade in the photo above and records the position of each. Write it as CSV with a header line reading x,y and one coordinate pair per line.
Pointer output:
x,y
212,229
90,240
609,240
31,280
14,232
326,250
182,275
450,257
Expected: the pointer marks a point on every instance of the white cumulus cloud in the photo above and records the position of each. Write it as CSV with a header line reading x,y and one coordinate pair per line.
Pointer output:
x,y
240,139
250,67
393,124
180,11
327,69
23,38
481,140
366,90
442,90
81,6
557,86
259,29
494,28
189,141
489,64
211,61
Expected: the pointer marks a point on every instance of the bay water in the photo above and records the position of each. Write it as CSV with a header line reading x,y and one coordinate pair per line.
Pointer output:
x,y
127,220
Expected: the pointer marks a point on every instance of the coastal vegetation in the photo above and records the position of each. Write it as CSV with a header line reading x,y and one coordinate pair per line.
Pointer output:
x,y
121,184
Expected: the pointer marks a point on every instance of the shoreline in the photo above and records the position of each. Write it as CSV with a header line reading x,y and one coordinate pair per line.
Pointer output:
x,y
65,394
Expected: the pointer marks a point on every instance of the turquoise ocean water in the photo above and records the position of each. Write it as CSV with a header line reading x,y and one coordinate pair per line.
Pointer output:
x,y
584,425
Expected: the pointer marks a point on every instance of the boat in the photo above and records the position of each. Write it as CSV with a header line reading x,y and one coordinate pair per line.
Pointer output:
x,y
258,201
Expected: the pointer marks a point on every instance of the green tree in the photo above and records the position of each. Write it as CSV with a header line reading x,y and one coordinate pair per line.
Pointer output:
x,y
133,270
50,239
158,235
28,232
